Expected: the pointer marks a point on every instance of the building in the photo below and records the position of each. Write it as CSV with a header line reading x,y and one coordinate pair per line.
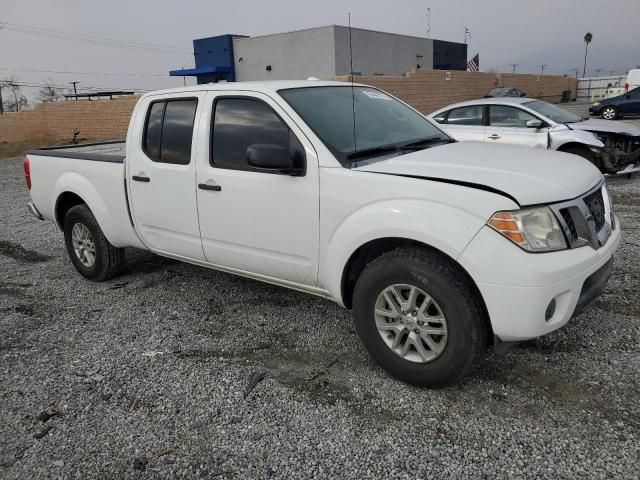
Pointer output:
x,y
321,52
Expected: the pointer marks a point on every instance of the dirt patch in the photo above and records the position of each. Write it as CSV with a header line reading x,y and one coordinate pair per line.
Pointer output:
x,y
18,252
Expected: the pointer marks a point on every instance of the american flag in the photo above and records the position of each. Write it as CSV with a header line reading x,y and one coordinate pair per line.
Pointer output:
x,y
473,65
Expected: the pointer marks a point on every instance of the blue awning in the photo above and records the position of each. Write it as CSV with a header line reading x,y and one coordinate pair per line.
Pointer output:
x,y
194,72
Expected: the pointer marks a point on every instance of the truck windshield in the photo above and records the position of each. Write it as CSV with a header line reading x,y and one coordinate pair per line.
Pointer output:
x,y
383,125
556,114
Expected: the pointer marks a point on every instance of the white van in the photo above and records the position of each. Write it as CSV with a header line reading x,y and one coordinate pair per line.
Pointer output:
x,y
633,80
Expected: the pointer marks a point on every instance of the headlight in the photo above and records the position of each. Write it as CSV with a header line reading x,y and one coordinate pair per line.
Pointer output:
x,y
596,104
533,229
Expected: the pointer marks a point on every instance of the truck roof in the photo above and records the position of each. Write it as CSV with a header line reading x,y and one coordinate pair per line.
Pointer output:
x,y
255,86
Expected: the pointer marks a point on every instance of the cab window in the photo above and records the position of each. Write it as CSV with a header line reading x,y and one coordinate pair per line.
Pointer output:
x,y
169,131
239,123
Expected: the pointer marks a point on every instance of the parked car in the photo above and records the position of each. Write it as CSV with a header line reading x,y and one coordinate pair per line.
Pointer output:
x,y
505,92
614,147
615,107
442,249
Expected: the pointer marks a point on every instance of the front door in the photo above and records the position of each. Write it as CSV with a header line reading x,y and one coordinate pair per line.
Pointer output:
x,y
251,220
161,175
509,125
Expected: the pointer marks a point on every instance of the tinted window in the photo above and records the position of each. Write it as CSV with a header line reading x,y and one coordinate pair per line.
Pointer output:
x,y
380,120
153,131
504,116
169,131
177,131
241,122
466,115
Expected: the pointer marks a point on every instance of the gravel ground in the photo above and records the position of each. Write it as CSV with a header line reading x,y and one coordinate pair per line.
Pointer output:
x,y
150,375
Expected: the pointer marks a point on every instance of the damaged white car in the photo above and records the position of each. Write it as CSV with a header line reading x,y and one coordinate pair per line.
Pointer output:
x,y
612,146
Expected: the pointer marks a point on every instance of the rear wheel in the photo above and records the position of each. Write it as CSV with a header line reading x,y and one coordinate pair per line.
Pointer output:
x,y
419,317
89,250
609,113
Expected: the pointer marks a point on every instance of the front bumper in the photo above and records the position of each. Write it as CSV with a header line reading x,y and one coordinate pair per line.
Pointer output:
x,y
518,287
595,110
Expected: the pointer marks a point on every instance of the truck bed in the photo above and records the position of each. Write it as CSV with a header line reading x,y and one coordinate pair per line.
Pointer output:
x,y
111,151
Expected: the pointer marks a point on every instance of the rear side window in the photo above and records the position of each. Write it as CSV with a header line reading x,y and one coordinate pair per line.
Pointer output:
x,y
241,122
169,131
466,115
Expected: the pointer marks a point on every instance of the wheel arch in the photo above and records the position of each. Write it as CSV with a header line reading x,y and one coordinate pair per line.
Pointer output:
x,y
373,249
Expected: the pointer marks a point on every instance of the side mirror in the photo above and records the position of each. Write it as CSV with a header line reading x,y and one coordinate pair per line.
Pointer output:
x,y
270,157
534,123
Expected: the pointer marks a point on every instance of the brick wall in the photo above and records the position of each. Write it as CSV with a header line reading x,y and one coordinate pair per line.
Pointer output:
x,y
429,90
96,119
426,90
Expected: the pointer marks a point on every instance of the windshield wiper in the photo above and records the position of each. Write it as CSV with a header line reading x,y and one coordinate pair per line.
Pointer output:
x,y
372,152
424,142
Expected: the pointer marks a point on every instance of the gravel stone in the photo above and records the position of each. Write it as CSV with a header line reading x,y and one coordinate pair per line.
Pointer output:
x,y
563,406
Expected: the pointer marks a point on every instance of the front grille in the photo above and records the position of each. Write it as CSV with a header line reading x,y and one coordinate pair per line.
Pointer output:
x,y
595,204
586,220
571,231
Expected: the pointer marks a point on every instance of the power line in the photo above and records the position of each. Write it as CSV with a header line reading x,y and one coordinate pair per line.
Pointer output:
x,y
85,73
92,39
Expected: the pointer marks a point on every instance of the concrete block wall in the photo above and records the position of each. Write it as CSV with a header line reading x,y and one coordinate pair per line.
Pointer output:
x,y
429,90
56,121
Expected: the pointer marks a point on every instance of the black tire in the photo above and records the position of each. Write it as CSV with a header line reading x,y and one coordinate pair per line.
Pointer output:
x,y
584,152
611,112
442,279
109,260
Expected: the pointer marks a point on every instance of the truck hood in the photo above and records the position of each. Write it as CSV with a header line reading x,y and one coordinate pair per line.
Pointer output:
x,y
526,175
607,126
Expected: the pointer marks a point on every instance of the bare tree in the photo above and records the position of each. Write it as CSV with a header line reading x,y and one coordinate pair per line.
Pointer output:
x,y
14,100
49,92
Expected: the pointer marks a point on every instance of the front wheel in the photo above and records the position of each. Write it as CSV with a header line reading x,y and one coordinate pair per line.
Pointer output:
x,y
89,250
420,317
609,113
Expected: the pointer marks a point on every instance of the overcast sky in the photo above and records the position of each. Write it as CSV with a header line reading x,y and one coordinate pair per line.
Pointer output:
x,y
503,31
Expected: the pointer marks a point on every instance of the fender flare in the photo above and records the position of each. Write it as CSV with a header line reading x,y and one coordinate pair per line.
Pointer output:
x,y
444,227
79,185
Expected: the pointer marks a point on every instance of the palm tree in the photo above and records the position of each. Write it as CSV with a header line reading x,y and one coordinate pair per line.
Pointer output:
x,y
587,40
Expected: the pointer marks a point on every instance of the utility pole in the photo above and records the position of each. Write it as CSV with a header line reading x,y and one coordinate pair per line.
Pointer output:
x,y
575,70
611,72
598,70
514,65
1,105
75,92
428,23
542,67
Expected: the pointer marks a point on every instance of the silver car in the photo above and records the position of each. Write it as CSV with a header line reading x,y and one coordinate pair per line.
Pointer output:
x,y
614,147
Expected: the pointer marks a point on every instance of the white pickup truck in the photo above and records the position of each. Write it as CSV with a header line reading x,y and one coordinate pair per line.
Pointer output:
x,y
442,249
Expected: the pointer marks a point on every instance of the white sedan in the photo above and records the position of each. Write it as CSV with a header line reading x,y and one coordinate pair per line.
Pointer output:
x,y
614,147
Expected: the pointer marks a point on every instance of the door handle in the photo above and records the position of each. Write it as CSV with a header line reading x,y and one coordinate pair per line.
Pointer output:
x,y
495,136
140,178
206,186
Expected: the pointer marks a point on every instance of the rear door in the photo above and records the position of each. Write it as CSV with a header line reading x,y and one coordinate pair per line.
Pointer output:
x,y
630,104
465,123
162,174
508,124
255,221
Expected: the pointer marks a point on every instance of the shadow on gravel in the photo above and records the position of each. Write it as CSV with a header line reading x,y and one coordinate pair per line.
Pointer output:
x,y
18,252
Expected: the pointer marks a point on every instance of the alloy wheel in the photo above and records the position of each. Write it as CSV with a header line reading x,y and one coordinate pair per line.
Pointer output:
x,y
411,323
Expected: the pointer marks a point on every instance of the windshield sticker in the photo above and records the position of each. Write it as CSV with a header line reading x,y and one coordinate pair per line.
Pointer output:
x,y
376,95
